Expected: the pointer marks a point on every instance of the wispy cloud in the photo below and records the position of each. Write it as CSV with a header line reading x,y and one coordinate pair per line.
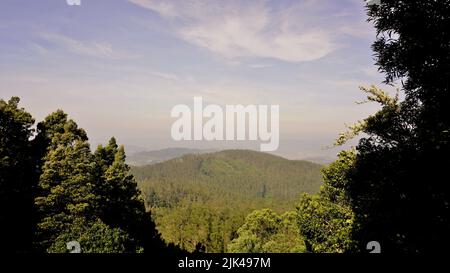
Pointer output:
x,y
163,75
165,8
259,66
239,30
88,48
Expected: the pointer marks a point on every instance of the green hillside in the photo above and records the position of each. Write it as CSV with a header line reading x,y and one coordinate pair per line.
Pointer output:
x,y
193,195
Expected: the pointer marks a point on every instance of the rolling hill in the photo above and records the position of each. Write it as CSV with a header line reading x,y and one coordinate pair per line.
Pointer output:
x,y
234,173
194,198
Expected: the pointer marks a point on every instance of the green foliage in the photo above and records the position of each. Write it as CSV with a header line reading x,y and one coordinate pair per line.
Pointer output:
x,y
66,186
93,237
57,123
325,225
120,204
266,232
335,177
326,219
396,187
16,177
60,191
197,226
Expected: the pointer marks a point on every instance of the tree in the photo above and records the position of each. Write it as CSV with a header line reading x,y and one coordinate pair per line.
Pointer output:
x,y
266,232
66,188
81,192
53,189
326,219
335,178
16,177
93,237
105,156
325,225
120,203
397,185
55,123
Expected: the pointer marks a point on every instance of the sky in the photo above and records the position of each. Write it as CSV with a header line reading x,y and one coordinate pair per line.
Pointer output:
x,y
117,67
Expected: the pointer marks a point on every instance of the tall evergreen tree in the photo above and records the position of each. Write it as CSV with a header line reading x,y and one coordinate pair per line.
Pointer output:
x,y
120,202
66,187
54,190
55,123
16,177
68,203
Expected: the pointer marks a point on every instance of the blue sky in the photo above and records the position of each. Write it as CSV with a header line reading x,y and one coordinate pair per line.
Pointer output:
x,y
119,66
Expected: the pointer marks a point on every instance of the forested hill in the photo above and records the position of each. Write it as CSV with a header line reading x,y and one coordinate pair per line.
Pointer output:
x,y
243,173
199,201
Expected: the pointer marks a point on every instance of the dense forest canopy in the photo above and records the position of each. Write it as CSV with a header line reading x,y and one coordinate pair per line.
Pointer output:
x,y
200,201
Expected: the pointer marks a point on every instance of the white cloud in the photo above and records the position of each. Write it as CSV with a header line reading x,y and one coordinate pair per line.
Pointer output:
x,y
260,65
239,30
93,49
164,8
163,75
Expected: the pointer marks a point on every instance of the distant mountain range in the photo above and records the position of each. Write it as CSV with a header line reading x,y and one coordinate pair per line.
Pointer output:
x,y
151,157
320,159
137,156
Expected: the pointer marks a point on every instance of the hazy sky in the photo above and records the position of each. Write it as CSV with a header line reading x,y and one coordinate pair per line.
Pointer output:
x,y
118,67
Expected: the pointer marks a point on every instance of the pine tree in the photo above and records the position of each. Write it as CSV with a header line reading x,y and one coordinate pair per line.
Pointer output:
x,y
65,188
54,190
16,177
55,123
121,204
104,156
